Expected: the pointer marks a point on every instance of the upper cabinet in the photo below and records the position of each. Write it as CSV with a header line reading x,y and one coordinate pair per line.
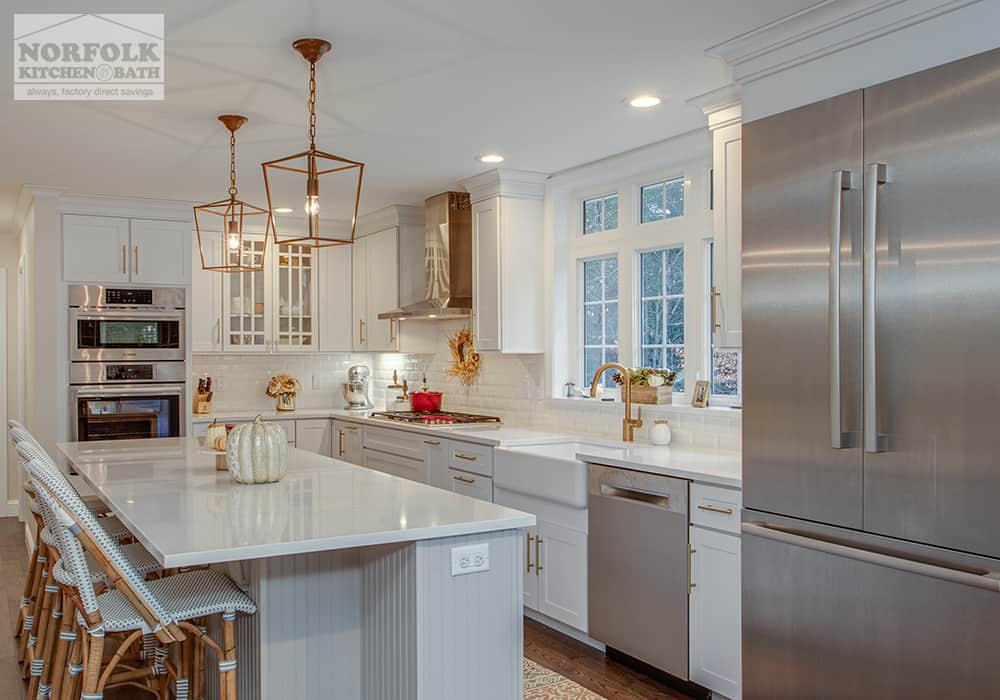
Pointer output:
x,y
507,265
383,238
115,250
724,121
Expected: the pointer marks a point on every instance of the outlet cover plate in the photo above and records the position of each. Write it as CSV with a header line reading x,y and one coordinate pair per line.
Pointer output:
x,y
470,559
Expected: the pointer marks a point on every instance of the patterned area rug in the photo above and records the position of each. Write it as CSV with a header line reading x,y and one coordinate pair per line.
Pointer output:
x,y
542,684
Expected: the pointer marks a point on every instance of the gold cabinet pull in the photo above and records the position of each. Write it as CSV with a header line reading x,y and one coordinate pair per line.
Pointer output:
x,y
715,311
691,584
340,450
392,331
715,509
137,260
361,331
432,443
528,549
464,480
124,259
538,556
468,458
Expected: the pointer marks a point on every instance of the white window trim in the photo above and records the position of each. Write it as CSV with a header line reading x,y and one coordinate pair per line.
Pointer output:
x,y
627,242
581,308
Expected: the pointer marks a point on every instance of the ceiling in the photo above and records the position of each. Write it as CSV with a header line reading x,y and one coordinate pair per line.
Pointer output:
x,y
414,88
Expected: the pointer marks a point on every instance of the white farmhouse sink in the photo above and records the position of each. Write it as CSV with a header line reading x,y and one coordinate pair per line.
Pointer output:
x,y
550,472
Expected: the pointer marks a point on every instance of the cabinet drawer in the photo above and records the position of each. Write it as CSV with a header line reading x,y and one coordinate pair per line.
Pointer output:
x,y
403,467
473,485
469,457
395,442
716,507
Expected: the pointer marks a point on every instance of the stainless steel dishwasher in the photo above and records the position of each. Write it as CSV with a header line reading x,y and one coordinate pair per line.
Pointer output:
x,y
638,566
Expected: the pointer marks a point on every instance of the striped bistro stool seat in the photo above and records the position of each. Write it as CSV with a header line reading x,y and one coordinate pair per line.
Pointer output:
x,y
185,596
113,526
144,562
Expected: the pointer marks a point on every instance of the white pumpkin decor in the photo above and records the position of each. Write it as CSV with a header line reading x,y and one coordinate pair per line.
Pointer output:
x,y
257,453
215,430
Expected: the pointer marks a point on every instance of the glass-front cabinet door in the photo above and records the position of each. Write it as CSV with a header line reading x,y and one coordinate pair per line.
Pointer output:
x,y
294,298
245,311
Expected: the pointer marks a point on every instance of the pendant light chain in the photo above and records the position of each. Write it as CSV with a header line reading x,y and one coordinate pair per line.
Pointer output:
x,y
312,105
232,165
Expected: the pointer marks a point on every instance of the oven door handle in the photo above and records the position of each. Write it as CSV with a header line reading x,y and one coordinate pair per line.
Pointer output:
x,y
101,392
136,314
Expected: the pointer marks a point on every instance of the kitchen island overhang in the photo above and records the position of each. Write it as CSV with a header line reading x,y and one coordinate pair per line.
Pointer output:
x,y
351,569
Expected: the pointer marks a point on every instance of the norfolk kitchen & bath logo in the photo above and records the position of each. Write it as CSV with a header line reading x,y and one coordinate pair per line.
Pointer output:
x,y
88,57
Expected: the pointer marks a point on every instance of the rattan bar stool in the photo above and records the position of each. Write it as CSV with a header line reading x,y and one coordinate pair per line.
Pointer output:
x,y
170,608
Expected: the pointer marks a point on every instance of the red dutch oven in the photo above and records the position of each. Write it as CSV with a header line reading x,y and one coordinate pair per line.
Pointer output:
x,y
425,401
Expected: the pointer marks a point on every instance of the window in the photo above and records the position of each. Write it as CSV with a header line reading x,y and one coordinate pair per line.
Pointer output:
x,y
662,200
661,311
600,316
726,364
600,214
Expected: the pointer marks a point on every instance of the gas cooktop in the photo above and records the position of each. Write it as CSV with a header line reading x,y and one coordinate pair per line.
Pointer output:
x,y
434,417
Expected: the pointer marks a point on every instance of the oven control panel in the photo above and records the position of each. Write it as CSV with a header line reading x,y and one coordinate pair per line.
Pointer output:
x,y
128,297
128,373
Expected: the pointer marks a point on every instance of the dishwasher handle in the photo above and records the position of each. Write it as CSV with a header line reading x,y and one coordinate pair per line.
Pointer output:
x,y
657,500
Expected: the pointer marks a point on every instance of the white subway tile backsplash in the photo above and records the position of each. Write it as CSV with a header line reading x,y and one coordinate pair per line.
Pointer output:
x,y
511,386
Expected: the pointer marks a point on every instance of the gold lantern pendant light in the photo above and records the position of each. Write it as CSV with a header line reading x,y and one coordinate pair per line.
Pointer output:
x,y
236,217
308,229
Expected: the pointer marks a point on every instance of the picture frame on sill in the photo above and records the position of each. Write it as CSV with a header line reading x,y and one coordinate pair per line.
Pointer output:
x,y
699,397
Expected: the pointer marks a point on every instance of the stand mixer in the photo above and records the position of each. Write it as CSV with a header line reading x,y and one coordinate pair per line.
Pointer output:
x,y
356,389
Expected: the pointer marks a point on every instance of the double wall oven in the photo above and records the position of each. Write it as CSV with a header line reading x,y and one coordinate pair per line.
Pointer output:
x,y
127,371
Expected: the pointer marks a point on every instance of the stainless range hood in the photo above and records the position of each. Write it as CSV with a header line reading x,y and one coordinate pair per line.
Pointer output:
x,y
446,264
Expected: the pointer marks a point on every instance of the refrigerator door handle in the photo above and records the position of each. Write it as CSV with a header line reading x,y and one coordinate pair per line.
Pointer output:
x,y
989,581
842,181
876,174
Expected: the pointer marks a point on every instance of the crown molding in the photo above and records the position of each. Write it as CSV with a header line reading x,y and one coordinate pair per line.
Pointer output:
x,y
722,106
133,207
391,216
505,182
823,29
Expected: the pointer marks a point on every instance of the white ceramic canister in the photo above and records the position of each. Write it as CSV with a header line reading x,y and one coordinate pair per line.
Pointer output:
x,y
660,433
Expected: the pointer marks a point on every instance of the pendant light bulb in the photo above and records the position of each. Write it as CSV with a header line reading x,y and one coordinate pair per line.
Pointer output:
x,y
233,234
312,205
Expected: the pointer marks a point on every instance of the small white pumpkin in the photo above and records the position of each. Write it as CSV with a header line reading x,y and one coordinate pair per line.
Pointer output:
x,y
257,453
215,431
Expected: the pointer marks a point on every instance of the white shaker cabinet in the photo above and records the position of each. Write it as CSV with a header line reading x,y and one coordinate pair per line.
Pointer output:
x,y
727,215
375,289
561,565
437,452
348,442
160,251
315,435
110,250
473,485
715,611
206,299
95,249
335,299
507,267
530,575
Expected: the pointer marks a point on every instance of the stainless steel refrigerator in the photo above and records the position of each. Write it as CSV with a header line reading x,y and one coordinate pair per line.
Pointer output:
x,y
871,448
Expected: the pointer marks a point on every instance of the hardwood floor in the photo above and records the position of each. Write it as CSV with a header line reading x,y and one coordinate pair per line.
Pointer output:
x,y
566,656
590,668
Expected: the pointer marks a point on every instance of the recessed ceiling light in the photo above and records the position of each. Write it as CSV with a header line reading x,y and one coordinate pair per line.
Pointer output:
x,y
282,210
644,101
491,158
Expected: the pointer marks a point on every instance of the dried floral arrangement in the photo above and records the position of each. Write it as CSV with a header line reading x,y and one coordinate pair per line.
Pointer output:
x,y
464,358
283,385
646,376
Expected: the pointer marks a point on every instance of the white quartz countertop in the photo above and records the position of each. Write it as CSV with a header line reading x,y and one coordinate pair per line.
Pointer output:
x,y
186,513
483,433
718,467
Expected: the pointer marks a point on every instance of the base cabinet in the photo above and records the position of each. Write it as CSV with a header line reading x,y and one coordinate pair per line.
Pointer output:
x,y
315,435
347,442
561,568
715,611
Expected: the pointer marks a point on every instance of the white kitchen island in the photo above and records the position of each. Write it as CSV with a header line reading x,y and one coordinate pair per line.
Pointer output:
x,y
352,570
